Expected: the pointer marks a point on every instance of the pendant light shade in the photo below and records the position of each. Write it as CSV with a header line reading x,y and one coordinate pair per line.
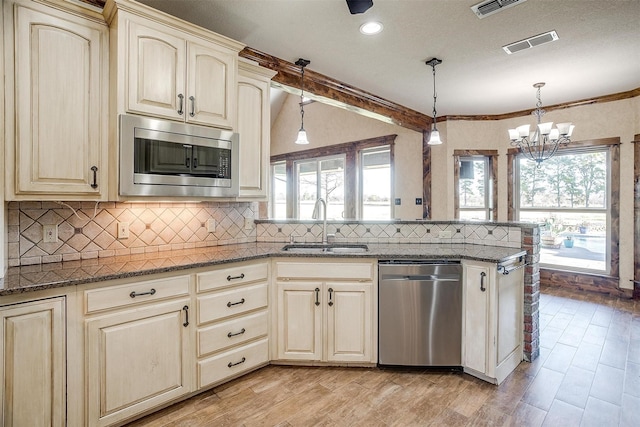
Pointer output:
x,y
434,138
302,134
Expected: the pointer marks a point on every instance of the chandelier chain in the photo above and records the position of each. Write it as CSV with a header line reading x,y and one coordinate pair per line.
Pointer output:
x,y
302,98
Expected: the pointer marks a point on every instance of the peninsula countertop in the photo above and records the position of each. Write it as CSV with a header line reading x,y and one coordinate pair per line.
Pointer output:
x,y
61,274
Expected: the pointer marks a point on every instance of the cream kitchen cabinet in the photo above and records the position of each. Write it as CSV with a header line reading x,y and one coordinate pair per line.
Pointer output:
x,y
233,321
56,127
33,363
168,68
493,319
138,348
325,311
254,127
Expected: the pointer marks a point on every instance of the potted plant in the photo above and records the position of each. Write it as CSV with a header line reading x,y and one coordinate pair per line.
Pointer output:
x,y
582,227
568,242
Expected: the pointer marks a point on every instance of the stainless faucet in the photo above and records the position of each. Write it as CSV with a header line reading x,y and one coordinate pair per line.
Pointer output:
x,y
316,213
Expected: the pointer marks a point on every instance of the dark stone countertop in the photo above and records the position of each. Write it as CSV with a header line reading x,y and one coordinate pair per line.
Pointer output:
x,y
62,274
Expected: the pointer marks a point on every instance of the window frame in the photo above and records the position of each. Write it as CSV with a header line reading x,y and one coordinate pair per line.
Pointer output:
x,y
579,279
491,177
361,154
296,178
351,152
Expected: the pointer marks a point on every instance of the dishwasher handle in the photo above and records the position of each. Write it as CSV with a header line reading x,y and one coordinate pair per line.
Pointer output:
x,y
421,278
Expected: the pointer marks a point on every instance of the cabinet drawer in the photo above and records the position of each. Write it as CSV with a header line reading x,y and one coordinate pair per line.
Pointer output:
x,y
230,363
219,305
232,276
325,270
135,293
232,332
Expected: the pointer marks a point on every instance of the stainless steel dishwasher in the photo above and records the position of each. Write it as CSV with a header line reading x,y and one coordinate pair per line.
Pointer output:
x,y
420,313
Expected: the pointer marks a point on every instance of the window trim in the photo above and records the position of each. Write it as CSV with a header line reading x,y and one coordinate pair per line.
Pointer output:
x,y
350,150
492,172
584,281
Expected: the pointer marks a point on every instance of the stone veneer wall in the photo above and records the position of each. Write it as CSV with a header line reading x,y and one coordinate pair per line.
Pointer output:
x,y
525,236
92,233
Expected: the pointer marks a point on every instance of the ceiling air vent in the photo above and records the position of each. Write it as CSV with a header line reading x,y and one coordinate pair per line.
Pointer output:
x,y
534,41
490,7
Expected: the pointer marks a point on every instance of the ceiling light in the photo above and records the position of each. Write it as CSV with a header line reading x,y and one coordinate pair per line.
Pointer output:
x,y
543,143
434,138
371,28
302,134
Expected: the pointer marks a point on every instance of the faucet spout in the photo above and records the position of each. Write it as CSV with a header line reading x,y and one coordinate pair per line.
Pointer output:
x,y
316,214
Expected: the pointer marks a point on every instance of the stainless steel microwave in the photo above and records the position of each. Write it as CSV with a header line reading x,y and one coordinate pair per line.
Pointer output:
x,y
168,159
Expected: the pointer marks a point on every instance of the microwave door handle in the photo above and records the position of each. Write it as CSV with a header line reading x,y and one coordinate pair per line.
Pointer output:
x,y
195,163
187,155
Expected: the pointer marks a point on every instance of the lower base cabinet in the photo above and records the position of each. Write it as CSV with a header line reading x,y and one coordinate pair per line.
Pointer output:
x,y
325,319
33,364
493,320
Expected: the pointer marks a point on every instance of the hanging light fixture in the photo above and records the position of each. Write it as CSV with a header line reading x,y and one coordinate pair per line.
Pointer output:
x,y
543,143
302,134
434,138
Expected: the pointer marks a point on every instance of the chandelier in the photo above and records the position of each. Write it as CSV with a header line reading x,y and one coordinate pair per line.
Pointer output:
x,y
302,134
543,143
434,138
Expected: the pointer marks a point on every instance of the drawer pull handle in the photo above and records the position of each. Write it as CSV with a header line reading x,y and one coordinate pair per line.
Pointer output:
x,y
230,365
181,100
317,291
186,313
192,113
330,297
231,304
230,278
482,276
242,331
134,294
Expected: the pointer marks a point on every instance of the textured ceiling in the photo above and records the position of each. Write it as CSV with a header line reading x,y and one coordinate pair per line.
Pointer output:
x,y
598,52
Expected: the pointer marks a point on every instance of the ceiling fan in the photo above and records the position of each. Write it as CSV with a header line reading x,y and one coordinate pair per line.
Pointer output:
x,y
359,6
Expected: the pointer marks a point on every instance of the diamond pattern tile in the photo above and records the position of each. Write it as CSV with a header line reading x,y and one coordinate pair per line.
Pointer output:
x,y
151,226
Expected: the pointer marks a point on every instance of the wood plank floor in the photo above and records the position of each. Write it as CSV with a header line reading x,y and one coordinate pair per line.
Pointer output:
x,y
588,374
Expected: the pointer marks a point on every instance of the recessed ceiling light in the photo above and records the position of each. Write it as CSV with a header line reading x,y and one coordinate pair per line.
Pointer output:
x,y
370,28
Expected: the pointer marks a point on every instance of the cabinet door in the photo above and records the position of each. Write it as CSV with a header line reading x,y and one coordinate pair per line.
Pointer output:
x,y
300,320
348,322
254,128
476,317
61,85
211,86
156,67
137,359
32,364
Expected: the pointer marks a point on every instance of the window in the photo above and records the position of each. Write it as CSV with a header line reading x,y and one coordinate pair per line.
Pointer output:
x,y
571,195
278,196
475,184
355,178
320,178
375,183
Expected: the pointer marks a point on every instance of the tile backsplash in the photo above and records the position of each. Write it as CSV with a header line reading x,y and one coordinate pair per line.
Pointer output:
x,y
86,230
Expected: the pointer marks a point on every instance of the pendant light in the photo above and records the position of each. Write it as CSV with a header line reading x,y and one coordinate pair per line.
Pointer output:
x,y
302,134
434,138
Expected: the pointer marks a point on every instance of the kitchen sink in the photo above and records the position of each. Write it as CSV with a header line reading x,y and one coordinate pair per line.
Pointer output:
x,y
330,248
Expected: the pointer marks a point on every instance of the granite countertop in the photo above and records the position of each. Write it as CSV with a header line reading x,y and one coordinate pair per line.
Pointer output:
x,y
56,275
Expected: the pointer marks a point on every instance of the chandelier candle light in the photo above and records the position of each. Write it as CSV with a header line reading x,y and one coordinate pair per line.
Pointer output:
x,y
543,143
302,134
434,138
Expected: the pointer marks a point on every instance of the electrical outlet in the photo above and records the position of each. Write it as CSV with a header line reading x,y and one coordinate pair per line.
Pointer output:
x,y
248,223
123,230
211,225
444,234
50,233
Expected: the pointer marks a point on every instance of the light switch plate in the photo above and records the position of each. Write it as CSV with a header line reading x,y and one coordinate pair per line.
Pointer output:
x,y
248,223
123,230
50,233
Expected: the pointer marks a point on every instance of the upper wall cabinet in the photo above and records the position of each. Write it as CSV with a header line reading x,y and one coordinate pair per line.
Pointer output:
x,y
254,127
56,119
168,68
